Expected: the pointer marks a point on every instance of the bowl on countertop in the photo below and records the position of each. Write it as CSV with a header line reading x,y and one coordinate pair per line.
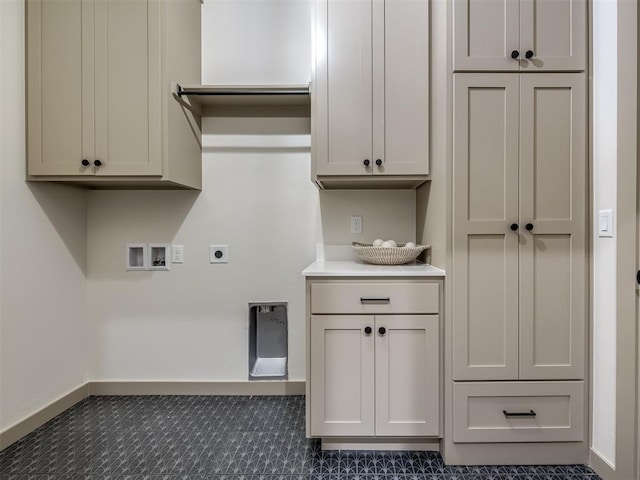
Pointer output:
x,y
387,255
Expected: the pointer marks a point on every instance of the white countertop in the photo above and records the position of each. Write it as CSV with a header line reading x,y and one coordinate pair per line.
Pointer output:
x,y
351,268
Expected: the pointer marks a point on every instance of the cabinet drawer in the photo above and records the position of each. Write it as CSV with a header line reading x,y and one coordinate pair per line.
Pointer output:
x,y
518,412
343,297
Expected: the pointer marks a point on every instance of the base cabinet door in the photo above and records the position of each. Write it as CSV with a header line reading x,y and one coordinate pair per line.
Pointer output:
x,y
407,366
342,375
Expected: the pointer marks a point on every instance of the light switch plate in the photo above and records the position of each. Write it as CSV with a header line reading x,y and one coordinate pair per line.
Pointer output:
x,y
605,223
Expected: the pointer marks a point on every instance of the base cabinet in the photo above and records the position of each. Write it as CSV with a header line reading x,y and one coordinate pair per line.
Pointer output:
x,y
374,374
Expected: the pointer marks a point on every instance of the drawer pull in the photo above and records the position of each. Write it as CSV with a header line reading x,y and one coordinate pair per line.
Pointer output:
x,y
530,413
375,300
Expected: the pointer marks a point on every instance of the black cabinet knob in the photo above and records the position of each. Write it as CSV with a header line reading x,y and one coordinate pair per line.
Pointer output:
x,y
366,162
515,54
529,226
382,330
85,162
378,162
514,226
529,54
368,330
97,163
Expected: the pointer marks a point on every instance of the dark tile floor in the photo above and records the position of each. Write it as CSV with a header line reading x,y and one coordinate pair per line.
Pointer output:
x,y
226,438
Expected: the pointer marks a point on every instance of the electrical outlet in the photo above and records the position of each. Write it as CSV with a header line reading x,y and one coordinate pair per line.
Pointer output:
x,y
218,254
177,254
356,223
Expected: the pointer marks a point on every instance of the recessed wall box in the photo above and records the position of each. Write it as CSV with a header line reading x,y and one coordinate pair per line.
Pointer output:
x,y
268,343
136,256
159,256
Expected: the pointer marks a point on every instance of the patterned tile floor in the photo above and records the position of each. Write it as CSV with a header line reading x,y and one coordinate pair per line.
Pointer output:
x,y
225,438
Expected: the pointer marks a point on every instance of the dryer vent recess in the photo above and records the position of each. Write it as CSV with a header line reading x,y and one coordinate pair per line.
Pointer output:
x,y
268,341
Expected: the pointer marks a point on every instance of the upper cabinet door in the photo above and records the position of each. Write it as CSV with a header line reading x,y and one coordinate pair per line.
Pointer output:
x,y
127,87
59,87
555,34
519,35
401,87
343,114
485,34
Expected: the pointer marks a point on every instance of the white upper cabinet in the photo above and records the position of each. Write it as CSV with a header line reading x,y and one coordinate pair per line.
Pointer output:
x,y
100,111
520,35
370,108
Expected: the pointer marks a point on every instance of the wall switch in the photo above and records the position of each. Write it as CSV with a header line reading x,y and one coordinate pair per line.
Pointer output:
x,y
605,223
177,253
356,223
218,254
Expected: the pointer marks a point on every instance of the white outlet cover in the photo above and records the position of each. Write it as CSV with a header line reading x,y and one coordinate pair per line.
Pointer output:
x,y
177,254
356,224
218,254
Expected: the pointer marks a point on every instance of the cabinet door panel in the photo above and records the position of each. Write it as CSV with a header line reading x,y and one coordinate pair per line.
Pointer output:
x,y
401,139
553,199
555,30
485,34
127,87
59,84
485,264
407,378
344,77
342,376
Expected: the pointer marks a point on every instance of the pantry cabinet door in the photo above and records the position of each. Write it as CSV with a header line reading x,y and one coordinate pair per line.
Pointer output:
x,y
127,85
555,31
342,375
59,87
343,90
407,376
485,34
401,88
485,249
553,253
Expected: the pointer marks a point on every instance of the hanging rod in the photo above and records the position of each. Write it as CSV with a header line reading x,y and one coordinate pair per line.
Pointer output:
x,y
241,90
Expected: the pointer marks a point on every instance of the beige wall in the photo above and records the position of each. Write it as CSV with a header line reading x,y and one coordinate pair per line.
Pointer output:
x,y
42,257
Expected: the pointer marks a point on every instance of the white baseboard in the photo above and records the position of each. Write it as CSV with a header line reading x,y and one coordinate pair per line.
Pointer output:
x,y
197,388
601,466
27,425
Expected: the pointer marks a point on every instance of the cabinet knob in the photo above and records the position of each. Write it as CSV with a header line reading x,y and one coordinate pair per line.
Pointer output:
x,y
529,226
368,330
529,54
514,226
85,162
97,163
515,54
366,162
378,162
382,330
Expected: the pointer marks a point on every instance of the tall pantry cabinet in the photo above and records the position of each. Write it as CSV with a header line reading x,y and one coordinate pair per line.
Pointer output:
x,y
519,283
